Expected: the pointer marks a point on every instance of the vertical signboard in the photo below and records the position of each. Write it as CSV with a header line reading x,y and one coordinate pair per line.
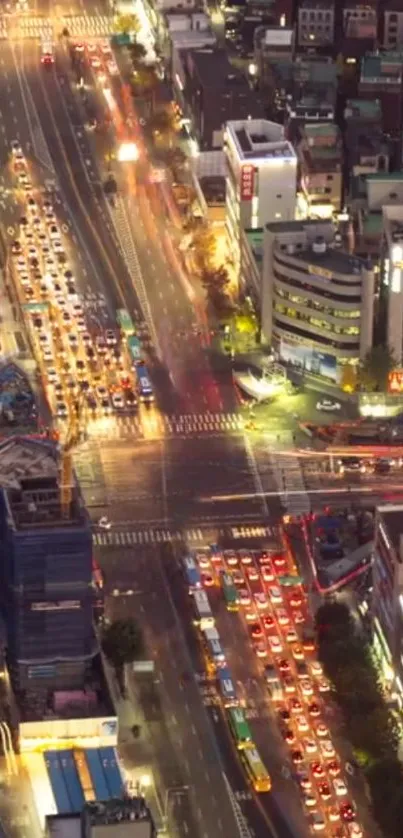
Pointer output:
x,y
247,182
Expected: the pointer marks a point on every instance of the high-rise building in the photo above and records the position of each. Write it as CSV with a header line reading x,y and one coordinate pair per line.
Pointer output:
x,y
261,180
387,596
46,569
392,274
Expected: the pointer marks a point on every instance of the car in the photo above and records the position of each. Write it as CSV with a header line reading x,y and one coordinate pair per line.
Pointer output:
x,y
77,309
261,650
267,573
282,617
284,714
230,558
339,786
16,149
86,339
295,706
309,800
32,206
324,791
95,62
130,398
314,709
328,406
296,600
43,338
303,779
106,405
16,248
66,318
321,730
238,579
333,768
81,324
275,644
80,366
333,814
297,652
327,749
317,821
354,830
291,636
245,556
90,353
54,231
207,578
260,601
306,686
52,375
316,668
297,756
252,574
289,684
61,410
347,812
110,338
289,735
73,340
275,594
298,617
58,247
351,464
268,622
47,354
310,746
302,724
244,597
323,685
112,67
284,666
256,631
317,770
279,562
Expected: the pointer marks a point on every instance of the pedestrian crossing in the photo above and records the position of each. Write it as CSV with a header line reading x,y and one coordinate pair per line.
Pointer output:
x,y
290,483
153,426
89,26
38,28
197,536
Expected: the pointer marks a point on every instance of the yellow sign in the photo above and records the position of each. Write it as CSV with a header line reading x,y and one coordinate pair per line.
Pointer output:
x,y
315,270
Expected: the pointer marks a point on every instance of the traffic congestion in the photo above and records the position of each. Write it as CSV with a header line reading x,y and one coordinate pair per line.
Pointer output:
x,y
85,369
263,590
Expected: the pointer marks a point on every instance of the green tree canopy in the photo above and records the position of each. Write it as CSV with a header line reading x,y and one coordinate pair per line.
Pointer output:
x,y
122,642
137,53
143,80
375,368
385,779
126,24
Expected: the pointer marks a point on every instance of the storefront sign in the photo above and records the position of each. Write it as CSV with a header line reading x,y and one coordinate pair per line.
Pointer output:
x,y
247,183
395,381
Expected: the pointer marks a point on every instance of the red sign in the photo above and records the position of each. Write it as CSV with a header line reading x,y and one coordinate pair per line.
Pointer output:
x,y
247,183
395,381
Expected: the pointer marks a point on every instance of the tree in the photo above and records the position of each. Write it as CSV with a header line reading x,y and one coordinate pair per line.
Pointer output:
x,y
349,378
122,642
127,24
143,80
385,780
215,280
205,245
162,123
376,366
137,53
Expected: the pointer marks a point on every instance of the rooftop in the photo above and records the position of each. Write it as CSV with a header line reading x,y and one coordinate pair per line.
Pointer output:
x,y
392,520
365,109
332,260
29,476
18,409
372,223
213,69
316,4
279,227
128,818
386,67
91,702
255,240
259,139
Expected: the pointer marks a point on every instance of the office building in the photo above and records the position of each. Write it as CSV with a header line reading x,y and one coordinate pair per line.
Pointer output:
x,y
315,24
320,159
392,274
311,97
366,149
214,92
360,20
261,177
392,24
387,597
46,568
316,300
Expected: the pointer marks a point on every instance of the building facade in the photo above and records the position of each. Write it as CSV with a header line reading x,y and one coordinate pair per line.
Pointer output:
x,y
387,597
320,160
261,177
46,569
316,300
316,23
392,24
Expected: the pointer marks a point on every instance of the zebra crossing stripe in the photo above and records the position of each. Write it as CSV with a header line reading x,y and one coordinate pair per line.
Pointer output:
x,y
124,538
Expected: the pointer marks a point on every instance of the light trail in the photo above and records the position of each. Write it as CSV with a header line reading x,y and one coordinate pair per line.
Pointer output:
x,y
381,489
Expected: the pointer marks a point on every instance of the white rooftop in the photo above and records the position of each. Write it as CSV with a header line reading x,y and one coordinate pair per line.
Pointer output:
x,y
259,138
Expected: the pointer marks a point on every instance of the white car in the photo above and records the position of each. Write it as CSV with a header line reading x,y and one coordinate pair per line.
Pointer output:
x,y
275,644
275,594
354,830
53,231
282,617
328,406
340,788
306,687
16,149
53,375
61,410
310,746
291,636
110,338
260,601
327,749
105,47
73,340
244,597
47,354
117,401
302,724
112,67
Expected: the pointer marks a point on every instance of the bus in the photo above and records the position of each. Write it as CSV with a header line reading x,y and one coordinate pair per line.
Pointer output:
x,y
239,728
230,592
226,687
135,350
125,322
257,773
203,617
215,654
144,384
192,574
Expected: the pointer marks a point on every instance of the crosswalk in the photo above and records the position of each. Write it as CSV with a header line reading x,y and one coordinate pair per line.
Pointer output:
x,y
290,483
154,426
196,536
42,28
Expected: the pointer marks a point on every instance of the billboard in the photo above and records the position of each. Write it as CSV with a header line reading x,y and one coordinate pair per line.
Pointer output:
x,y
305,357
395,381
247,182
58,733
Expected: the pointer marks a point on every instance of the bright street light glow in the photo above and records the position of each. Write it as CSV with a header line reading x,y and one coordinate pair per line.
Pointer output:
x,y
128,153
